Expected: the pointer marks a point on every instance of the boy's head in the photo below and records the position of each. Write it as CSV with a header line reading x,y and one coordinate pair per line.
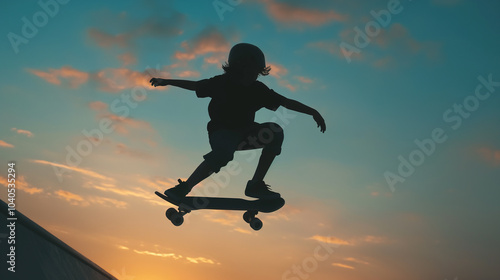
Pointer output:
x,y
246,62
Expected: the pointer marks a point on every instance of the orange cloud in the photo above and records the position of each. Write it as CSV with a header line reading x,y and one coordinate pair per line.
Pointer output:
x,y
304,80
342,265
72,168
5,144
127,58
21,184
351,259
123,125
106,40
330,240
67,74
210,40
110,202
490,155
137,192
201,260
292,14
118,79
71,198
98,106
277,70
188,74
333,48
108,80
398,36
22,131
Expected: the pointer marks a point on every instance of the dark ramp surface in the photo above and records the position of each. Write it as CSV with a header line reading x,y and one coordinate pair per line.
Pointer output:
x,y
40,255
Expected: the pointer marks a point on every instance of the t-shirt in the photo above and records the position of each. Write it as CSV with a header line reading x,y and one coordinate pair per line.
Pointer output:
x,y
233,106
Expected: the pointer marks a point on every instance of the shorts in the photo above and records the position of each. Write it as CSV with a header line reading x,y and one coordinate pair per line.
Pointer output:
x,y
224,142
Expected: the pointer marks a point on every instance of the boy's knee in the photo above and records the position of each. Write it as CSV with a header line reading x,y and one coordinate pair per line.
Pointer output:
x,y
275,140
277,132
218,159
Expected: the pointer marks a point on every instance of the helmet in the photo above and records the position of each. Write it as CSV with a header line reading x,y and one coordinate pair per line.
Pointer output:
x,y
243,51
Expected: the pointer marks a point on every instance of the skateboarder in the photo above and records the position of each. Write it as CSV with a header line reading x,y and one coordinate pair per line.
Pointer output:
x,y
236,96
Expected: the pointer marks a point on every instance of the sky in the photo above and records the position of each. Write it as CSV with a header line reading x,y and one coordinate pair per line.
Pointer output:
x,y
403,183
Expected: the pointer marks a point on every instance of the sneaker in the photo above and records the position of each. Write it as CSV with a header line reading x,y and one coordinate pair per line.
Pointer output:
x,y
179,191
260,190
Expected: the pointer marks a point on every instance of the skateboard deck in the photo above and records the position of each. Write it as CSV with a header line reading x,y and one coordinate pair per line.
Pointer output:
x,y
252,207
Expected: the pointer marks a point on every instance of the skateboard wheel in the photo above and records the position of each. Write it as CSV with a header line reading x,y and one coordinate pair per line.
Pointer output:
x,y
256,224
177,219
247,217
170,212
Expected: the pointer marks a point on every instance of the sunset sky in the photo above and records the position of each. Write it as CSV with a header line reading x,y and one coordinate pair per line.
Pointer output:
x,y
404,183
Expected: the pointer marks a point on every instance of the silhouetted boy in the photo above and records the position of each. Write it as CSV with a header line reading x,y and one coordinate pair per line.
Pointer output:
x,y
236,96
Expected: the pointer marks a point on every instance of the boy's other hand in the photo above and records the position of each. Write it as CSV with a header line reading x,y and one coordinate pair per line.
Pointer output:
x,y
158,82
320,121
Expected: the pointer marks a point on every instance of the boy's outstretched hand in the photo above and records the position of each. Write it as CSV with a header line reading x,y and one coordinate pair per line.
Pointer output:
x,y
320,121
158,82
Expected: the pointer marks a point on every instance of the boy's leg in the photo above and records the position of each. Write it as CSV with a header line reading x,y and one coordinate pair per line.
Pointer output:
x,y
200,174
265,161
269,137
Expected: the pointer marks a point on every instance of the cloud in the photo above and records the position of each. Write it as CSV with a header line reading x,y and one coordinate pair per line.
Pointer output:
x,y
98,106
293,15
331,240
118,79
383,49
22,131
238,229
109,202
123,149
5,144
108,80
127,58
489,155
72,198
398,37
188,74
277,70
342,265
333,48
208,41
304,80
373,239
201,260
159,25
107,40
162,255
353,241
21,185
111,188
67,75
195,260
74,168
354,260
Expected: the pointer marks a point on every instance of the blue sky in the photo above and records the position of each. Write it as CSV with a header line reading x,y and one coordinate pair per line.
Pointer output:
x,y
439,223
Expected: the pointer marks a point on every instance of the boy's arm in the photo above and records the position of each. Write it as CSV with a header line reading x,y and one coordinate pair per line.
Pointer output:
x,y
301,108
185,84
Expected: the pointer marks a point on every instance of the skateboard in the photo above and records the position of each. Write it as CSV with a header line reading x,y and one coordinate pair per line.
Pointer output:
x,y
251,207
